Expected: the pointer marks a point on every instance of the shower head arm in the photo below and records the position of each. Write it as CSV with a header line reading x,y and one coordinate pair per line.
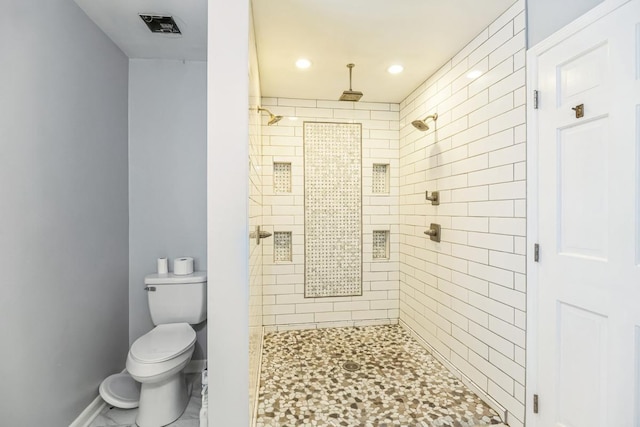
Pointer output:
x,y
350,67
431,116
273,119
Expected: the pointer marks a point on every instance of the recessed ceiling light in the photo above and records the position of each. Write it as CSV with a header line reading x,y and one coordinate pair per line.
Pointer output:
x,y
474,74
395,69
303,63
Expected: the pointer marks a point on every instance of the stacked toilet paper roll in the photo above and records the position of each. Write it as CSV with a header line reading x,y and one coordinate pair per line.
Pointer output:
x,y
183,266
163,265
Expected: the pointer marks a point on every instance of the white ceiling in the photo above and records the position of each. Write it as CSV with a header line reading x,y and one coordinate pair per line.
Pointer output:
x,y
120,21
419,34
374,34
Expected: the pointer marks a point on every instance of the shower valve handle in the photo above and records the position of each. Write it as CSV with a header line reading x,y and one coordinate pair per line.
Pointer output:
x,y
259,235
434,199
434,232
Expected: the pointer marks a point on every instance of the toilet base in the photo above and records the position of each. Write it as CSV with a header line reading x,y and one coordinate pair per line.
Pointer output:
x,y
163,402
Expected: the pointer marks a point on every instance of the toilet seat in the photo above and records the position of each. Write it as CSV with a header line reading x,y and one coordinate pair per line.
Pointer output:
x,y
162,343
121,391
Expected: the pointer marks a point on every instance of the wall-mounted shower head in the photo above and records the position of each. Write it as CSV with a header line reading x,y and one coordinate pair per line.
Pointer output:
x,y
350,95
421,125
273,119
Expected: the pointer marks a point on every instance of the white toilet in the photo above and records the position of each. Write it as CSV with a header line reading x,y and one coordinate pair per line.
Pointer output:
x,y
158,358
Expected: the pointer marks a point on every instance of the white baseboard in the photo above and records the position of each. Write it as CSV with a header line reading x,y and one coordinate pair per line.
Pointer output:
x,y
90,413
502,412
196,366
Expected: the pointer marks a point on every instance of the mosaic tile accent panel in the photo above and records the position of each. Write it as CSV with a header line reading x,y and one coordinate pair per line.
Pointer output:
x,y
307,380
282,177
380,244
282,246
333,209
380,179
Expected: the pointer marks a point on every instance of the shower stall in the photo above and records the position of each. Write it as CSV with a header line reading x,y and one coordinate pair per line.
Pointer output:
x,y
346,190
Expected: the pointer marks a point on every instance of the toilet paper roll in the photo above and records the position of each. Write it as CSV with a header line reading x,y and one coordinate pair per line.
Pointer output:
x,y
163,266
183,266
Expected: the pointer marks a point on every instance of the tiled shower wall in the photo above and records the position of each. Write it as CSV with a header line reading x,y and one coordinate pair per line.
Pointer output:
x,y
465,296
285,306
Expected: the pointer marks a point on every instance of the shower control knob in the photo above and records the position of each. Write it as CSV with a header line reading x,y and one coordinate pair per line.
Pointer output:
x,y
258,234
433,232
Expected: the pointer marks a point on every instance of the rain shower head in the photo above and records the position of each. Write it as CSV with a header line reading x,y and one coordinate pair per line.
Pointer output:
x,y
273,119
350,95
421,125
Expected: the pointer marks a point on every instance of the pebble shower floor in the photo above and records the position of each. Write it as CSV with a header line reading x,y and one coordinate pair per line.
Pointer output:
x,y
307,380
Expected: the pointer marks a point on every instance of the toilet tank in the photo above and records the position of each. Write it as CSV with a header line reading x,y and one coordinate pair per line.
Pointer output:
x,y
176,299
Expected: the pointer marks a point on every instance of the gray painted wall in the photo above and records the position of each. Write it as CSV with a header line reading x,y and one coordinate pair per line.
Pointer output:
x,y
167,176
545,17
63,212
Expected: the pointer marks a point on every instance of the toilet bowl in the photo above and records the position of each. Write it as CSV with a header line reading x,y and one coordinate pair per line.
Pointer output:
x,y
157,360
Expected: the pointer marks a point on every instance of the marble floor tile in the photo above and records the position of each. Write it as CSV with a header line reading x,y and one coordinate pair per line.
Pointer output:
x,y
306,381
115,417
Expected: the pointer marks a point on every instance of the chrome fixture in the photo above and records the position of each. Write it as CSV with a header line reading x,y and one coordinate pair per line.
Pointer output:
x,y
350,95
259,235
434,199
433,232
273,119
421,125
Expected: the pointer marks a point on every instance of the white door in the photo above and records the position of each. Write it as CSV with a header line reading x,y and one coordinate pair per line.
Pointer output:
x,y
588,210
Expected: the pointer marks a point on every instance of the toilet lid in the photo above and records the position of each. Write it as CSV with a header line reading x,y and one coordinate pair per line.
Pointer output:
x,y
164,342
121,391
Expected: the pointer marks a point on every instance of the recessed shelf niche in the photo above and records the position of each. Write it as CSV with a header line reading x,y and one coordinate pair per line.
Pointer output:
x,y
281,177
381,244
282,250
380,179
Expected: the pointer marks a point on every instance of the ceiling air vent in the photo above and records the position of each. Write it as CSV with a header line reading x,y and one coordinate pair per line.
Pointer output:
x,y
161,24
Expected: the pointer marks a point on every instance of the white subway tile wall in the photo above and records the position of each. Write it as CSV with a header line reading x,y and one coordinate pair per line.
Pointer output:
x,y
285,306
466,295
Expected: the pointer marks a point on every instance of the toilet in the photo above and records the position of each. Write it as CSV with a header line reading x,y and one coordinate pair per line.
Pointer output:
x,y
158,358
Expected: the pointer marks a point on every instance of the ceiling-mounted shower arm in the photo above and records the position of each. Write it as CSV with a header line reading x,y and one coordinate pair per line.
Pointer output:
x,y
350,95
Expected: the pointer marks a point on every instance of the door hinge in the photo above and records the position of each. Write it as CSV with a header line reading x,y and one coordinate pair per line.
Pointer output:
x,y
536,252
535,403
535,99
